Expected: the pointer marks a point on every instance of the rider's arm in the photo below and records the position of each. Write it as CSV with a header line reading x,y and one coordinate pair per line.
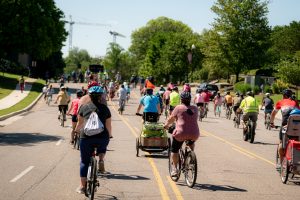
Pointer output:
x,y
139,108
158,108
79,124
170,120
273,114
71,108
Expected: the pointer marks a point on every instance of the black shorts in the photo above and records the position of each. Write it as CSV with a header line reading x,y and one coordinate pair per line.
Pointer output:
x,y
172,108
63,107
167,101
235,108
150,116
74,118
176,145
200,104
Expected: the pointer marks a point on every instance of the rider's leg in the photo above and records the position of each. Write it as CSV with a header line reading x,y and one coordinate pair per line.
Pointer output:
x,y
176,145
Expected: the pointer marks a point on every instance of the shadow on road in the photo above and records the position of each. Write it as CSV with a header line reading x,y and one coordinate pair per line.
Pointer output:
x,y
124,177
226,188
25,139
264,143
105,197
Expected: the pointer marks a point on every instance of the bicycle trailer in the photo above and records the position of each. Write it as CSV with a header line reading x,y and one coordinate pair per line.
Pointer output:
x,y
153,138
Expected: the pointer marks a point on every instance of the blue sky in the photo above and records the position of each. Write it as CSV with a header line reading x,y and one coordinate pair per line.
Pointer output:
x,y
125,16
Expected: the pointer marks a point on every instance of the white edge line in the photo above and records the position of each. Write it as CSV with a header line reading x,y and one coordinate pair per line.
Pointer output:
x,y
21,174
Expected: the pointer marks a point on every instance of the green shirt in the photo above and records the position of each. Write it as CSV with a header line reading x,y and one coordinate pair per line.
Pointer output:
x,y
249,104
174,99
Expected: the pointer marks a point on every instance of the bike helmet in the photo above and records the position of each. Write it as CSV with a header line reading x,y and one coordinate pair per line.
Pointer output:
x,y
175,88
93,83
267,94
249,93
287,93
228,93
237,94
185,95
96,90
79,93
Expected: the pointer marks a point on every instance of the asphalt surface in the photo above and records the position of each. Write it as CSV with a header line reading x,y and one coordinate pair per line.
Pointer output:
x,y
37,161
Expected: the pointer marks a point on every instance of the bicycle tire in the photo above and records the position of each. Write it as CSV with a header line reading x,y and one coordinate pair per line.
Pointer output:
x,y
252,131
137,146
190,165
92,179
75,141
62,120
284,172
245,133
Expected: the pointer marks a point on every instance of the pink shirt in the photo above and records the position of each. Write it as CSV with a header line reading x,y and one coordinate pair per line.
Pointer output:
x,y
186,124
218,101
75,103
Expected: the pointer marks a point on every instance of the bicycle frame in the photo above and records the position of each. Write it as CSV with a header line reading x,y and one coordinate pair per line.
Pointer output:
x,y
92,181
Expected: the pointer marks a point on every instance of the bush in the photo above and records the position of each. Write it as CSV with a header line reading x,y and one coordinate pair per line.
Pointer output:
x,y
242,87
279,86
256,89
268,89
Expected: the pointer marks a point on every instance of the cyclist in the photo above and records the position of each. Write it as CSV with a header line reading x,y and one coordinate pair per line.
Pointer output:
x,y
218,100
74,109
228,100
206,95
44,90
127,88
101,140
199,100
151,106
249,106
236,103
174,99
162,89
122,94
286,105
186,116
187,88
268,103
49,92
62,99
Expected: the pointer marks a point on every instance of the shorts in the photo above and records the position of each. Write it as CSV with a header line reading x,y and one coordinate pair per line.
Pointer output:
x,y
167,101
150,116
172,108
200,104
63,107
268,111
176,145
252,115
74,118
235,108
229,105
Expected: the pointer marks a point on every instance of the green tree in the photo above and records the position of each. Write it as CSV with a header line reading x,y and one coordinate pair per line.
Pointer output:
x,y
113,59
243,32
77,57
289,70
31,26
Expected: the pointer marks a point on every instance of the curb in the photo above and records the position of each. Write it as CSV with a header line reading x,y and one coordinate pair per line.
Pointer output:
x,y
4,117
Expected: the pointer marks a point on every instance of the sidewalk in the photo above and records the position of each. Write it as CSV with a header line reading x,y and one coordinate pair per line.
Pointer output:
x,y
15,97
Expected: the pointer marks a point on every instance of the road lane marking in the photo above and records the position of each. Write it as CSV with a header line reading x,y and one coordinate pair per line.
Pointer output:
x,y
21,174
238,147
59,142
175,189
244,153
161,186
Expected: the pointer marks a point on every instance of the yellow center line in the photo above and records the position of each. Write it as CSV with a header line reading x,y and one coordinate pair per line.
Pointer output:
x,y
162,188
175,189
244,153
238,147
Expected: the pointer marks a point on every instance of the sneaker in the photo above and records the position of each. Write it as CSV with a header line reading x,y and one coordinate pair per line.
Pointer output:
x,y
81,190
101,168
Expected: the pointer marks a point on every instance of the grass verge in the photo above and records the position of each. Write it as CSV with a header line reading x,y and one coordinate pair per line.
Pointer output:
x,y
33,94
8,83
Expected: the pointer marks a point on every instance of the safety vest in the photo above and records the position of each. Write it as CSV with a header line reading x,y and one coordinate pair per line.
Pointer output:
x,y
249,104
174,99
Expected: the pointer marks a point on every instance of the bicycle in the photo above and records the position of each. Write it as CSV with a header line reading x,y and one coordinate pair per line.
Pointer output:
x,y
267,122
122,106
92,182
228,112
62,117
187,165
49,99
167,111
76,141
202,112
249,134
237,120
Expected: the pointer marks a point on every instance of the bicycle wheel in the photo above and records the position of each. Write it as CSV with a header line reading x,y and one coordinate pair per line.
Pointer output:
x,y
78,142
75,141
245,133
137,146
92,179
62,120
252,131
190,172
284,172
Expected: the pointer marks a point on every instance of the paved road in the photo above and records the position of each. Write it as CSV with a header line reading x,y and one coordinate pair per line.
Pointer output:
x,y
37,162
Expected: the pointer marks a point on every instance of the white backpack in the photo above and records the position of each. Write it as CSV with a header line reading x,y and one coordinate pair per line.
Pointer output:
x,y
93,125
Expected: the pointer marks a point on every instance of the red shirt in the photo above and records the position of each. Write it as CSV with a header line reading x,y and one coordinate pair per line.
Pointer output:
x,y
75,103
286,106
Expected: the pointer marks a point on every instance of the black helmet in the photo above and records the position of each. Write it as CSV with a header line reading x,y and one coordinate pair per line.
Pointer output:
x,y
237,94
228,93
185,95
79,93
287,93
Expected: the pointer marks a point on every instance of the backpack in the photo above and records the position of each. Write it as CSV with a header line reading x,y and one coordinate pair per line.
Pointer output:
x,y
93,125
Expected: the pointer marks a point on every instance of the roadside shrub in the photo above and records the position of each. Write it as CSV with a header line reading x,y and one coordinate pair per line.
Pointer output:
x,y
256,89
242,87
279,86
268,89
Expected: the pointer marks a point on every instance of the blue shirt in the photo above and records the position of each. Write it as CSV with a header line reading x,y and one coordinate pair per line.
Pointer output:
x,y
150,103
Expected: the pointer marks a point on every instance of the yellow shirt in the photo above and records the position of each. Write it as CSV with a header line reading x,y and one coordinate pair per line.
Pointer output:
x,y
249,104
62,98
174,99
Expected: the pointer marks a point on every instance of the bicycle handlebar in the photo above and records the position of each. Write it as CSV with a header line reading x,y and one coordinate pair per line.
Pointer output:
x,y
138,114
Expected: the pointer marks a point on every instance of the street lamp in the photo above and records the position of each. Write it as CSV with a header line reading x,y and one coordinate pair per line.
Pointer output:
x,y
190,58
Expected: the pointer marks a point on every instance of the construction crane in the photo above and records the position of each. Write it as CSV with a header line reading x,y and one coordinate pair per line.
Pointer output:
x,y
71,23
115,34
